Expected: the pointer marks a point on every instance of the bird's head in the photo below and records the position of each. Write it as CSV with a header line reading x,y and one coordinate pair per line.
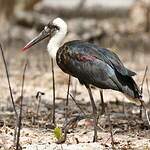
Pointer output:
x,y
56,26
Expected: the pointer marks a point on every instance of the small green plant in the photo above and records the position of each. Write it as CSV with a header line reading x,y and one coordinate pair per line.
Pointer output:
x,y
58,133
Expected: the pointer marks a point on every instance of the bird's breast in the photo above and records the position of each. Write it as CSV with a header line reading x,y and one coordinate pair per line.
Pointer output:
x,y
62,55
63,58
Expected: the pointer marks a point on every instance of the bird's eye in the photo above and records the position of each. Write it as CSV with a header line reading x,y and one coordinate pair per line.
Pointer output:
x,y
56,27
46,29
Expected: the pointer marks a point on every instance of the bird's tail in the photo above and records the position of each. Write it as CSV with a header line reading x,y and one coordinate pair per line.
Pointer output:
x,y
134,94
132,91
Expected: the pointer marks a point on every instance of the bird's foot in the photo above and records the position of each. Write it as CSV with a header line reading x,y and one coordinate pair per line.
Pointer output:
x,y
95,130
95,138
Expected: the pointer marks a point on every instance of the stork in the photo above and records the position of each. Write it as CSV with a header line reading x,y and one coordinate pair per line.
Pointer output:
x,y
88,63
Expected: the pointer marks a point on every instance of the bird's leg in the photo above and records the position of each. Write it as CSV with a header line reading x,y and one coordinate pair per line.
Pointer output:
x,y
53,77
67,102
102,102
94,112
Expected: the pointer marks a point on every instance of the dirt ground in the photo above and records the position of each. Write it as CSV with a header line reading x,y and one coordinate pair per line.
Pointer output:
x,y
129,131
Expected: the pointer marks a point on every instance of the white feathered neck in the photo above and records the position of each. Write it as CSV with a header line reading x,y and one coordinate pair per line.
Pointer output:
x,y
56,41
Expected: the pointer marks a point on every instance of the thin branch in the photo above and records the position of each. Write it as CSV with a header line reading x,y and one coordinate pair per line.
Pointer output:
x,y
38,97
20,113
142,102
146,69
147,116
70,124
110,136
146,112
61,98
54,97
147,85
77,104
111,132
9,85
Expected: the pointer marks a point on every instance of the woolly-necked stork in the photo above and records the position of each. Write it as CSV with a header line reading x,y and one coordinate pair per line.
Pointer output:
x,y
89,63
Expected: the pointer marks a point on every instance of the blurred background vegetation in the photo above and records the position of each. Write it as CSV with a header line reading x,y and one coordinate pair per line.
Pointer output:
x,y
105,22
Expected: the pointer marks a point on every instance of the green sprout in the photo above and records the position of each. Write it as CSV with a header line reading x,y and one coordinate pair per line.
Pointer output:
x,y
58,133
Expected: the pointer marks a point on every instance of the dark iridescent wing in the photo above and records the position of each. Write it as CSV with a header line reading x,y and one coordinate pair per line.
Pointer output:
x,y
97,66
103,54
112,59
90,70
83,63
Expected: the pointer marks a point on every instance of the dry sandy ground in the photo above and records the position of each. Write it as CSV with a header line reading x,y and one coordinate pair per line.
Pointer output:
x,y
129,131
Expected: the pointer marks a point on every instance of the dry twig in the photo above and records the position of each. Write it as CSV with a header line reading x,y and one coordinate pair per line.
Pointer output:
x,y
147,85
10,91
77,104
146,112
111,132
9,85
53,76
146,69
20,113
38,97
142,102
